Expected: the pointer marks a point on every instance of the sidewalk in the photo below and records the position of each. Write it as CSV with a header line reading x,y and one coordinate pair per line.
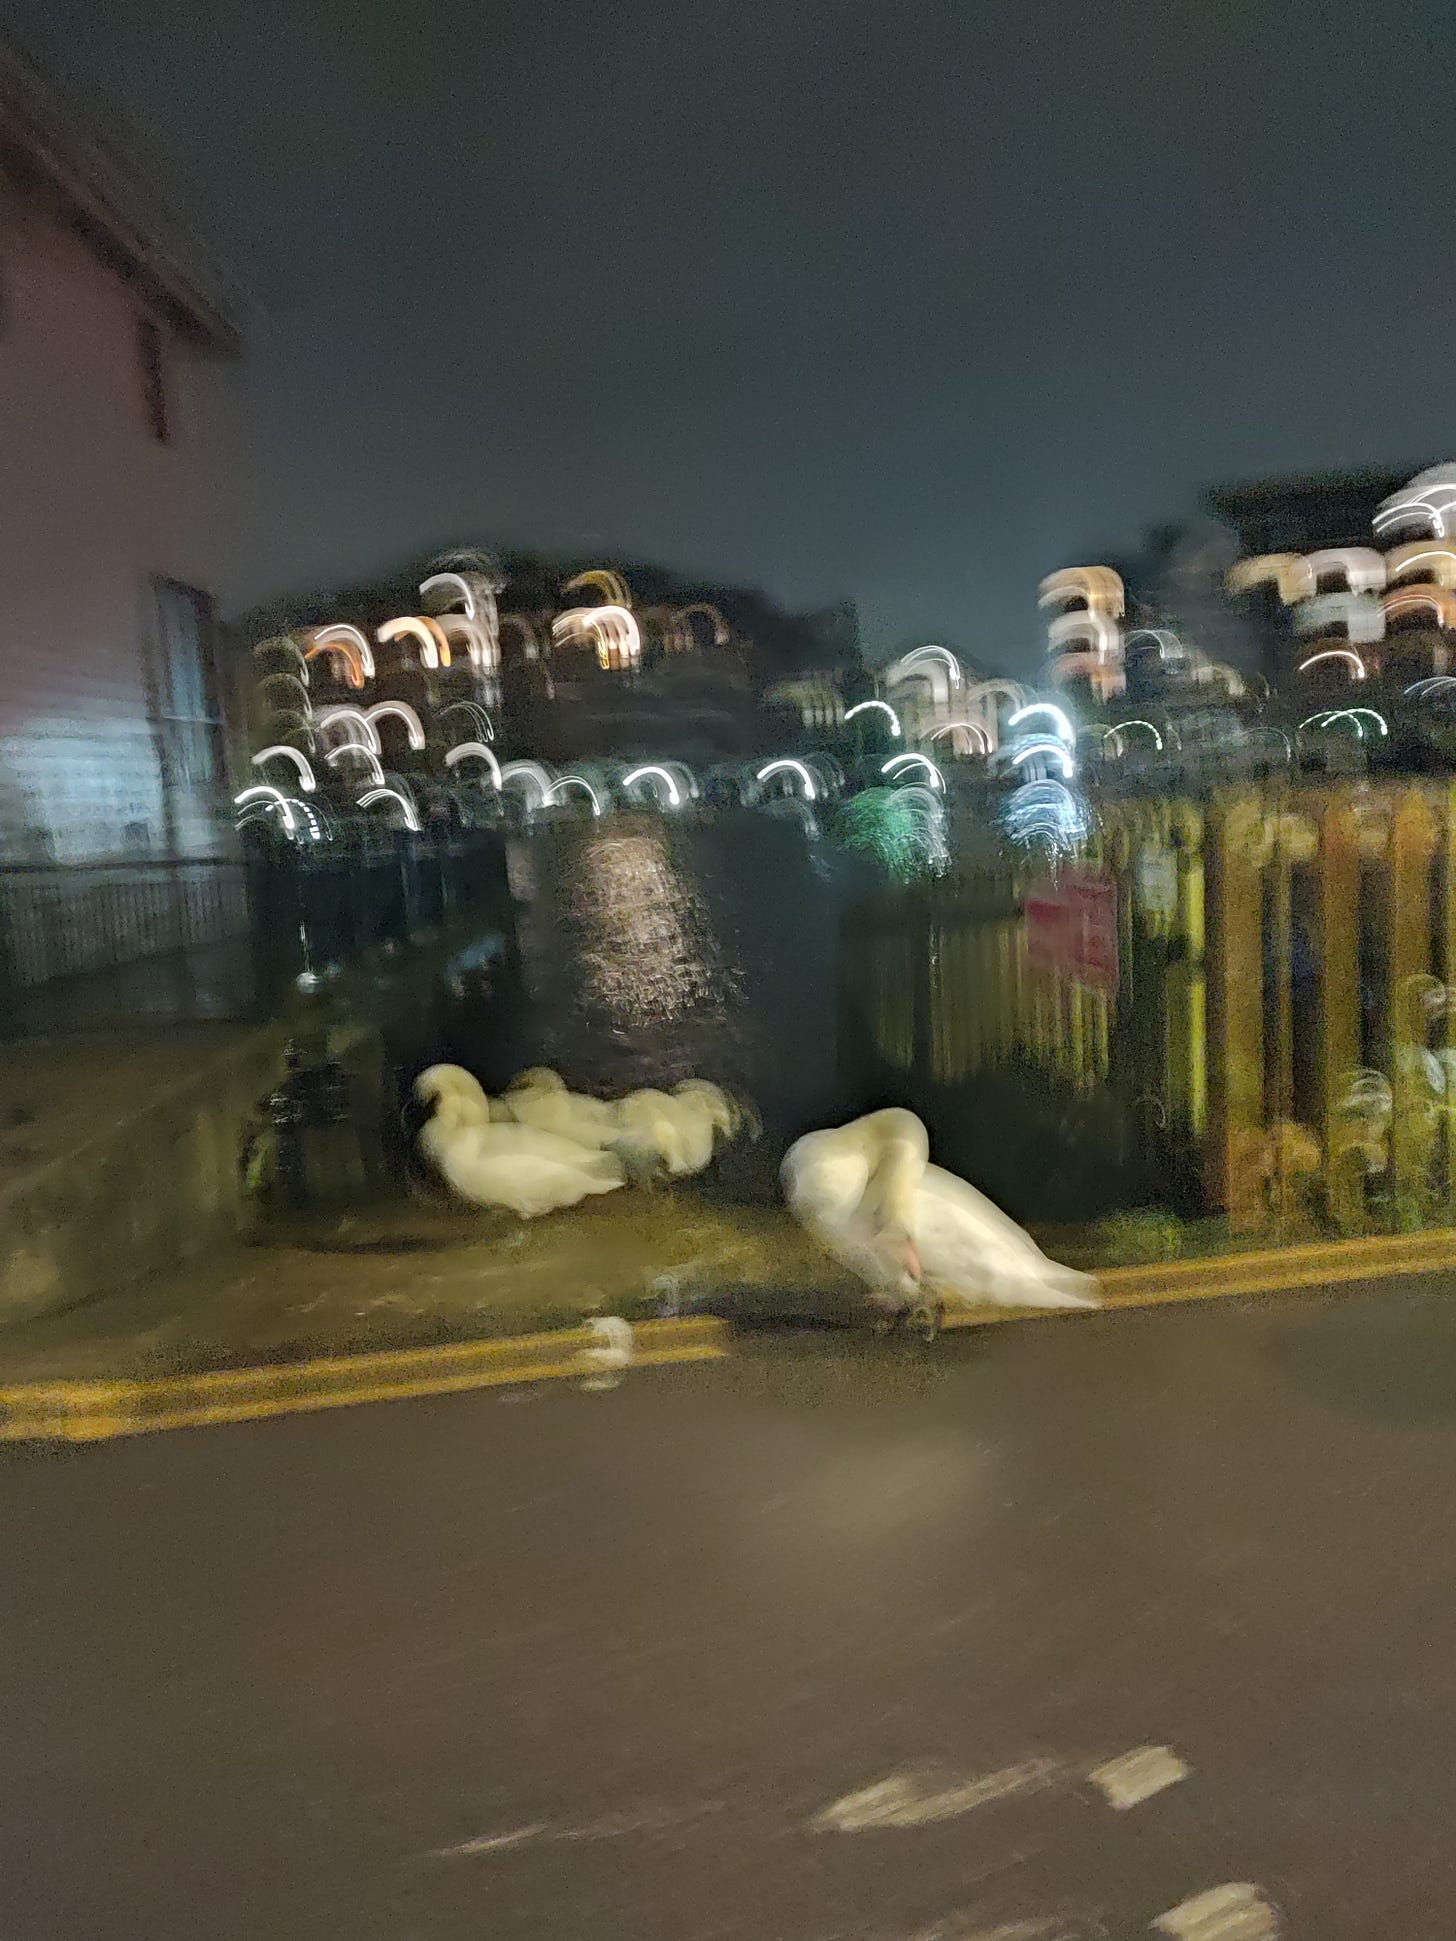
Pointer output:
x,y
419,1274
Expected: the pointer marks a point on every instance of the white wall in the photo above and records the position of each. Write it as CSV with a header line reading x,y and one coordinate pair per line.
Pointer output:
x,y
91,507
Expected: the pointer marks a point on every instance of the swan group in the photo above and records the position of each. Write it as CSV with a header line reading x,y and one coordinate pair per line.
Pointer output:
x,y
539,1147
918,1238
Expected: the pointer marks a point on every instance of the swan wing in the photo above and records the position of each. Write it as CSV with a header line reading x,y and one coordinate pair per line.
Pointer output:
x,y
526,1171
975,1255
824,1179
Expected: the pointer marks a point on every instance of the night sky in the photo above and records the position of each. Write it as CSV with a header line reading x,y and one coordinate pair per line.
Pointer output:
x,y
905,303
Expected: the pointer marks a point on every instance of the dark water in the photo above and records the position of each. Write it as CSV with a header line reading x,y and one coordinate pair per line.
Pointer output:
x,y
654,950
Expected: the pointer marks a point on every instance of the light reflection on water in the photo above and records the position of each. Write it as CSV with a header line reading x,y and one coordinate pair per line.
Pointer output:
x,y
645,943
655,951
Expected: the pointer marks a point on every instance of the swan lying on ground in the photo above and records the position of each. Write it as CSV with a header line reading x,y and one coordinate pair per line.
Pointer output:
x,y
909,1230
675,1131
540,1098
518,1167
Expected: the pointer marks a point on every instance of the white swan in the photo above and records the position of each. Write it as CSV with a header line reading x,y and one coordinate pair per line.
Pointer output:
x,y
677,1131
907,1229
539,1098
527,1171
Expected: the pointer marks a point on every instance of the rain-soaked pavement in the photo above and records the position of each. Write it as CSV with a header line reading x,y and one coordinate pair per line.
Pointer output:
x,y
827,1642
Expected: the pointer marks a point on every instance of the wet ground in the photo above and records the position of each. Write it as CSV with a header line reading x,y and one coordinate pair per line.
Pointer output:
x,y
834,1641
419,1270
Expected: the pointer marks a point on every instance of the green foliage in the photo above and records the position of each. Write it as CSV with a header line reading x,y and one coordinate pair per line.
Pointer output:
x,y
892,827
1151,1234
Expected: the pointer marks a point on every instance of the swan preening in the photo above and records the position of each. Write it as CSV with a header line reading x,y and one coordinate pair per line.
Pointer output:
x,y
918,1237
539,1147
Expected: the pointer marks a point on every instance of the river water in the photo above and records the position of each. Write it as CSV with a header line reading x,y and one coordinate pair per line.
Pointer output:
x,y
654,950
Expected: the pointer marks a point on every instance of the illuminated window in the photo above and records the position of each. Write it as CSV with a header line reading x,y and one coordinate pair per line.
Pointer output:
x,y
154,382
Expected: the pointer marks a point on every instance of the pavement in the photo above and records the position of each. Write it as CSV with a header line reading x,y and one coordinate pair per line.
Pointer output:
x,y
1133,1623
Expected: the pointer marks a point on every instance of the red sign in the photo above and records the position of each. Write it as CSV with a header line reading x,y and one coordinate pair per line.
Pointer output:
x,y
1071,928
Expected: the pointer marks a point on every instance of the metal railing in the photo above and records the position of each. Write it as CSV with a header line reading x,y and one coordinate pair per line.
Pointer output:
x,y
133,944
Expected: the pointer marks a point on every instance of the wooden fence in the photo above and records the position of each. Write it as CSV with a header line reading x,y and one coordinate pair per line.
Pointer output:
x,y
1284,1020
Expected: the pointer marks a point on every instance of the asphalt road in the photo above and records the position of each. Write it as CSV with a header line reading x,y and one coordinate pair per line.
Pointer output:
x,y
824,1643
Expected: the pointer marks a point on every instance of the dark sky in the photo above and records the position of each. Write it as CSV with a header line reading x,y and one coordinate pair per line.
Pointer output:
x,y
905,302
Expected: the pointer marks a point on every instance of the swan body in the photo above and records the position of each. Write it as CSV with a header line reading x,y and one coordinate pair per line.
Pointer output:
x,y
869,1195
539,1098
518,1167
675,1131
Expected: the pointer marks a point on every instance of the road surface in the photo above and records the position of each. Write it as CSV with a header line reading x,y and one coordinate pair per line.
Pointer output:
x,y
830,1642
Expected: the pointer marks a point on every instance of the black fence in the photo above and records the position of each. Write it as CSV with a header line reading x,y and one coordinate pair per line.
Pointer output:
x,y
109,945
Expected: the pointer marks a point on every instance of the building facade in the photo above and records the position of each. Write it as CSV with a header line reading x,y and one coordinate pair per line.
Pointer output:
x,y
119,343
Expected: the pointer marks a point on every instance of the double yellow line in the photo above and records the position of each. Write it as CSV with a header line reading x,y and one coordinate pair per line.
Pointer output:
x,y
93,1411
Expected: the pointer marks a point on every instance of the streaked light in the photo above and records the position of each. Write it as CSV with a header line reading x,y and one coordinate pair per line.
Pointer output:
x,y
1346,654
354,717
421,627
1046,745
371,796
897,764
1136,722
281,751
1361,567
942,654
475,751
350,644
786,762
1060,723
1370,714
1286,570
965,728
274,798
531,772
860,706
479,717
1099,586
612,587
482,650
1428,499
454,586
683,615
1100,633
1440,562
1432,684
1438,599
1045,812
613,631
376,773
1168,641
574,781
1360,614
659,774
1327,717
401,712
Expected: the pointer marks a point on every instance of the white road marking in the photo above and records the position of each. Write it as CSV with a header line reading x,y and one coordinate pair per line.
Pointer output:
x,y
611,1826
1135,1776
493,1842
911,1799
1234,1912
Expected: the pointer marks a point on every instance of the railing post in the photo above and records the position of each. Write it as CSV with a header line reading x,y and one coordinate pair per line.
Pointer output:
x,y
1339,1003
1235,959
1408,940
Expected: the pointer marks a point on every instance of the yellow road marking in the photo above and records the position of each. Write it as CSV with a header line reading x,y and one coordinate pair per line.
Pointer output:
x,y
95,1411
